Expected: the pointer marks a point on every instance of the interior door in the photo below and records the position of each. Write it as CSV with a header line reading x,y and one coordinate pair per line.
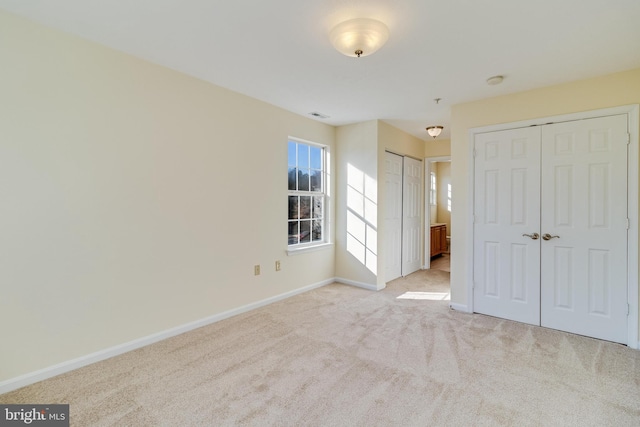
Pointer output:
x,y
411,215
567,183
584,205
506,224
393,216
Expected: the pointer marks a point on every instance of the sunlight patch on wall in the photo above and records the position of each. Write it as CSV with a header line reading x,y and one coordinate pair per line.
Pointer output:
x,y
362,218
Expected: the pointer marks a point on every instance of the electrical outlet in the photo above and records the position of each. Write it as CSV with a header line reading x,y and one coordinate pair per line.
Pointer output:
x,y
256,270
277,265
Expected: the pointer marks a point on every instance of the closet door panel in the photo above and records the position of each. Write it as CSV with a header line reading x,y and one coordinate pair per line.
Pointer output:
x,y
411,215
393,216
507,209
584,204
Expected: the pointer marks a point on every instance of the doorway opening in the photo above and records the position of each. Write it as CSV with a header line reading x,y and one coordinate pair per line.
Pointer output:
x,y
438,198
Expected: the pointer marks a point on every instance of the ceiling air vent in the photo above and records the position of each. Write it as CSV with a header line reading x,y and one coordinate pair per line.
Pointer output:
x,y
318,115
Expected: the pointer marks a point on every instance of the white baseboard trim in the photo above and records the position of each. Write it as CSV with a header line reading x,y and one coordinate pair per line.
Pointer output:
x,y
60,368
363,285
460,307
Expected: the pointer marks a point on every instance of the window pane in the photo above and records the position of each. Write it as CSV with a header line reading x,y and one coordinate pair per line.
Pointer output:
x,y
306,199
305,207
293,207
303,156
316,157
293,232
293,173
305,231
292,154
317,207
303,180
317,230
316,180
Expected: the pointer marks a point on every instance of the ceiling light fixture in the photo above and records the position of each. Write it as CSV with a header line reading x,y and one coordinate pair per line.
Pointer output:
x,y
434,131
359,37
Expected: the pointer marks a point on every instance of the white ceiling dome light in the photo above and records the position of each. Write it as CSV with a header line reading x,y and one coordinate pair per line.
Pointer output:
x,y
359,37
434,131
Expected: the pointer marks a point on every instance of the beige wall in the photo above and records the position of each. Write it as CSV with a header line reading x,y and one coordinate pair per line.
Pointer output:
x,y
602,92
357,225
443,180
134,198
433,212
360,251
393,139
437,148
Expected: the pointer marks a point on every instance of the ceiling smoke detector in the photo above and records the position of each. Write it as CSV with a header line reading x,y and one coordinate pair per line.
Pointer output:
x,y
495,80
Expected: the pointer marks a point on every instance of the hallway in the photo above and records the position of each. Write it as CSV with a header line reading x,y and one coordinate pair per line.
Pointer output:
x,y
441,262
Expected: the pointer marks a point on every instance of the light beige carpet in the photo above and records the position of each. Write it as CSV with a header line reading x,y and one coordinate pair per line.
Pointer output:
x,y
343,356
441,262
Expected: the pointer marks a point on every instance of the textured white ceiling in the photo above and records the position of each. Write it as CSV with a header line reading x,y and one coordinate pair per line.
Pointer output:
x,y
278,50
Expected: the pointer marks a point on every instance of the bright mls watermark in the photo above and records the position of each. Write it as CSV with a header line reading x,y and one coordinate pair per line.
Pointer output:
x,y
34,415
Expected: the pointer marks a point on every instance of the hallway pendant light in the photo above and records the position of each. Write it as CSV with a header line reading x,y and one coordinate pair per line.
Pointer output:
x,y
434,131
359,37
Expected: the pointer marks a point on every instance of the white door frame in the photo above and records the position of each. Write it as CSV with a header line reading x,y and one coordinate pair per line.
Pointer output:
x,y
428,162
633,114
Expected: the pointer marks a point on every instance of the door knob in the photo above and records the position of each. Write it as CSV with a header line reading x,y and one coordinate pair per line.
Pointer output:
x,y
533,236
547,236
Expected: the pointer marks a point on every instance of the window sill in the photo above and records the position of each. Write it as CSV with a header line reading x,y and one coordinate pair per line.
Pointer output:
x,y
305,249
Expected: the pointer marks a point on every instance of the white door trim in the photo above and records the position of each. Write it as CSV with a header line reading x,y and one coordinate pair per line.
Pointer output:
x,y
633,114
428,161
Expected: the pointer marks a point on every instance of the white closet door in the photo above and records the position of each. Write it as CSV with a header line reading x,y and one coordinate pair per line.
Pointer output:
x,y
507,207
393,216
411,215
584,203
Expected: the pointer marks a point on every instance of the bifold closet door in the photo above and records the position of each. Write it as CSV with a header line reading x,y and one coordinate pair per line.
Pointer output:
x,y
550,226
411,215
507,224
403,215
584,204
393,216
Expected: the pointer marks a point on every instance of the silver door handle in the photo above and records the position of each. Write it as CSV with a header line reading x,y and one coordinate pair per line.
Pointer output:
x,y
547,236
533,236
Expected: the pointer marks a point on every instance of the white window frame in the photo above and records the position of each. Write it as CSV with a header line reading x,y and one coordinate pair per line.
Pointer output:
x,y
317,244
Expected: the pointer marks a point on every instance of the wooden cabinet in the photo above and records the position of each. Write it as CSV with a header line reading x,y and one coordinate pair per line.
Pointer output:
x,y
438,239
